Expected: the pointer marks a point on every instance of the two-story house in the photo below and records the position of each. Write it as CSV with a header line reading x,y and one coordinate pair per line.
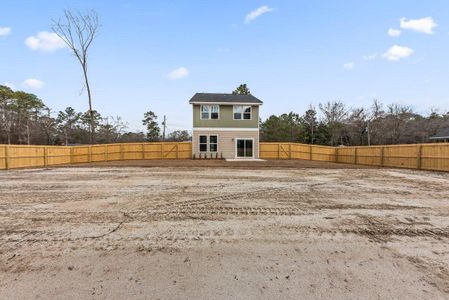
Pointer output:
x,y
225,125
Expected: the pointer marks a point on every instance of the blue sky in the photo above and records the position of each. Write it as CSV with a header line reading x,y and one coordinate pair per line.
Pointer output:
x,y
154,55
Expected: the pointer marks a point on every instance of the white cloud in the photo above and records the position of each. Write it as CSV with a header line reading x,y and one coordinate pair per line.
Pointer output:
x,y
45,41
424,25
178,73
394,32
397,52
4,31
33,83
370,56
348,66
10,85
257,13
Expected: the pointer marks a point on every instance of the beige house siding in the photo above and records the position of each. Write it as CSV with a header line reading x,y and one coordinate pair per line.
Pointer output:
x,y
226,141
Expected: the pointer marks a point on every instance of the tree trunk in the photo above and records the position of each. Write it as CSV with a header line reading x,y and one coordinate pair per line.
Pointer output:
x,y
66,137
28,134
91,112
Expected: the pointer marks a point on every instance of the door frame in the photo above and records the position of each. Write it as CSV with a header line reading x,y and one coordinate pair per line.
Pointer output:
x,y
235,147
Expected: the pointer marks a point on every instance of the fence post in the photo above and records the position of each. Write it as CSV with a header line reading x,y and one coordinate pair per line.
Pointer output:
x,y
310,152
89,153
177,151
336,155
106,153
7,163
382,150
355,155
72,155
162,151
143,151
279,151
122,156
290,151
45,157
419,157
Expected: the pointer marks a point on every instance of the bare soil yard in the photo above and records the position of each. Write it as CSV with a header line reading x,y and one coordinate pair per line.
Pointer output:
x,y
249,232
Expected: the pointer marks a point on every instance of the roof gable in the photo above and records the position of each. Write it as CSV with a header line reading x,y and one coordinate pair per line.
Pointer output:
x,y
224,98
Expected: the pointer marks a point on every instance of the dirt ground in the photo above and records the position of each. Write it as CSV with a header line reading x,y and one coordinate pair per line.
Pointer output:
x,y
248,232
220,163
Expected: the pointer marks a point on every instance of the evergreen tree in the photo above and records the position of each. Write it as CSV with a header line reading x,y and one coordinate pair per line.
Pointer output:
x,y
153,130
242,90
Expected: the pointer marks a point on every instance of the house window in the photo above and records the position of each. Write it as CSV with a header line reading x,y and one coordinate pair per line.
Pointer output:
x,y
213,143
214,111
210,112
242,112
208,143
247,112
203,143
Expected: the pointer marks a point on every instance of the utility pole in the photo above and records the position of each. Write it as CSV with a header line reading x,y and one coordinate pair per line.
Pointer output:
x,y
163,130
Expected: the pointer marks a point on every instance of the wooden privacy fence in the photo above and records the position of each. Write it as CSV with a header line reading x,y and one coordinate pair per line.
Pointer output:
x,y
414,156
21,156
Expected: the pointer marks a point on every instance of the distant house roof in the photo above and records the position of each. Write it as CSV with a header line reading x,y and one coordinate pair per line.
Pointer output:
x,y
223,98
441,134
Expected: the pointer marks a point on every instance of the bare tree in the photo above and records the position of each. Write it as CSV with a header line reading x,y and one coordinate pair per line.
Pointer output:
x,y
78,31
334,114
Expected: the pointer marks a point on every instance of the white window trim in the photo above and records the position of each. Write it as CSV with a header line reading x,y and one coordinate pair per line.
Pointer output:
x,y
199,143
235,146
208,143
210,111
243,111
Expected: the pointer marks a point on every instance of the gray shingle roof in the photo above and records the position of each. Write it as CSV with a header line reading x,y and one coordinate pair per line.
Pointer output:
x,y
223,98
441,134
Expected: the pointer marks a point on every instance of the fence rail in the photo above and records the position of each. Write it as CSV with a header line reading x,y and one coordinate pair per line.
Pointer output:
x,y
416,156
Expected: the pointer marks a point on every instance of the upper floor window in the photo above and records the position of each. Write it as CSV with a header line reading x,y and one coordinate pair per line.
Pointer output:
x,y
242,112
210,112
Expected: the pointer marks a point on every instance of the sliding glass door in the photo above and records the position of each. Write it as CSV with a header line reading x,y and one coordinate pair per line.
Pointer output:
x,y
244,148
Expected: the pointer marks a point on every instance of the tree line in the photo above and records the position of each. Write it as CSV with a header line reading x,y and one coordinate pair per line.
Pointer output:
x,y
333,124
25,119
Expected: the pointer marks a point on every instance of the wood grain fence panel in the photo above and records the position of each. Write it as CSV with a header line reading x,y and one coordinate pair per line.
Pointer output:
x,y
435,157
58,155
300,151
323,153
25,156
268,150
2,157
400,156
346,155
132,151
153,151
369,156
98,153
80,154
184,150
113,152
169,150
